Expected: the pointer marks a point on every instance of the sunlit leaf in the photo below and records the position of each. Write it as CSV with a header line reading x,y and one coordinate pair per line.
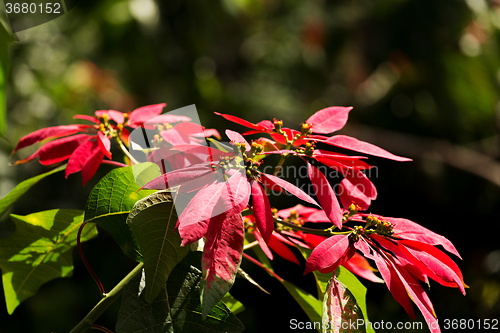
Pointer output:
x,y
357,289
310,304
233,304
11,197
341,313
152,221
39,251
109,204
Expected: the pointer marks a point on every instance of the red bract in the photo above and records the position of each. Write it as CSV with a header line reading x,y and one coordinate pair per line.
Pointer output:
x,y
326,196
357,189
85,146
85,151
401,262
351,143
329,120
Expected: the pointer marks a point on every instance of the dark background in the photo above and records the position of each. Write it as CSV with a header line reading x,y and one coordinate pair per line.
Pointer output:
x,y
423,77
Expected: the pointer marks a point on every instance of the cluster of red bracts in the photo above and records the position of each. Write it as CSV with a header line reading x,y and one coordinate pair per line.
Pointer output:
x,y
221,183
86,146
404,253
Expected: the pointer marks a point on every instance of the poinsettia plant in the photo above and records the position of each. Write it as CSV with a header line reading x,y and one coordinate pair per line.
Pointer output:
x,y
189,208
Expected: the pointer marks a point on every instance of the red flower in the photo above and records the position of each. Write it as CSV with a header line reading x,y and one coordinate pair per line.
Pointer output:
x,y
85,146
356,188
224,183
404,253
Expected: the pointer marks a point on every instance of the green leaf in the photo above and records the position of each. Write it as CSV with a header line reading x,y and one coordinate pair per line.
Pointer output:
x,y
348,279
109,204
341,313
357,289
39,251
145,172
152,221
11,197
233,304
180,311
310,304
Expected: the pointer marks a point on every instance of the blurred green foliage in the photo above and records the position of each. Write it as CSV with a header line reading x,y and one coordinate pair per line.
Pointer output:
x,y
421,67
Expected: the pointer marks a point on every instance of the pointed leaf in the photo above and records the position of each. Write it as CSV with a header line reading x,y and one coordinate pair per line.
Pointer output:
x,y
104,144
328,254
221,260
60,149
152,220
39,251
351,143
359,265
263,125
145,172
391,278
263,245
340,306
236,137
310,304
109,204
79,156
357,189
49,132
227,198
264,219
329,120
145,113
352,283
326,196
116,116
416,292
178,177
407,229
11,197
180,311
91,165
233,304
278,244
358,290
434,263
86,117
271,181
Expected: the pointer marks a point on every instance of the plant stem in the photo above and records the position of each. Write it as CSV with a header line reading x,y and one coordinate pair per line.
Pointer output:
x,y
105,302
118,164
85,262
100,328
126,152
248,246
325,232
282,160
258,263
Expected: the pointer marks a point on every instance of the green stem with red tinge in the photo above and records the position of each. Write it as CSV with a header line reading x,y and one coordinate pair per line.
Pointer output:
x,y
105,302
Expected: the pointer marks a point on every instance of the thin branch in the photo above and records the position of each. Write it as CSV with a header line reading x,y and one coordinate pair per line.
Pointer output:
x,y
85,262
126,152
258,263
105,302
118,164
100,328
